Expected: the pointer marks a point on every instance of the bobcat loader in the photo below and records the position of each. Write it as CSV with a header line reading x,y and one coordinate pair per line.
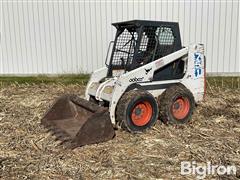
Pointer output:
x,y
148,75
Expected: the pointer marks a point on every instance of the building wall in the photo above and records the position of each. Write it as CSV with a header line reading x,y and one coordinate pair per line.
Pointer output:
x,y
56,37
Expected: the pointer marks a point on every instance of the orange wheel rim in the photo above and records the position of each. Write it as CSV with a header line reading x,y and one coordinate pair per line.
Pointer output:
x,y
141,113
180,108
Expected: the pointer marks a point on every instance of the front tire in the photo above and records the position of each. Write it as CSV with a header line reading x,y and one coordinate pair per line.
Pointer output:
x,y
137,110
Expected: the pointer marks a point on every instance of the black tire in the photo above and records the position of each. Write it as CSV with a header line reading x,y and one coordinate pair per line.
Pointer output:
x,y
169,99
131,101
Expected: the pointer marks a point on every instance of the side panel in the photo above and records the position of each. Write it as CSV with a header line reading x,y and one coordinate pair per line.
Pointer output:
x,y
194,78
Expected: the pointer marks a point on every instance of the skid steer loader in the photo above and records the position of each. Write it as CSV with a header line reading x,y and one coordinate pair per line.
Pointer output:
x,y
149,74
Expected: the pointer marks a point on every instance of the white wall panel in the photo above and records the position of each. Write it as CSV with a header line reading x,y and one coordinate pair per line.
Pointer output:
x,y
56,37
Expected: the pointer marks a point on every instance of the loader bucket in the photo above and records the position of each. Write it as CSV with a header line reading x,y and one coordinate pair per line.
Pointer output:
x,y
77,122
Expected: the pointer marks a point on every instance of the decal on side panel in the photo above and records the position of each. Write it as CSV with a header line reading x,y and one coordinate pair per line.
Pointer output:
x,y
159,63
135,79
147,70
198,71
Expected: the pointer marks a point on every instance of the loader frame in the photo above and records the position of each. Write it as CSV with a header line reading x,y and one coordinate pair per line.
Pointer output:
x,y
141,78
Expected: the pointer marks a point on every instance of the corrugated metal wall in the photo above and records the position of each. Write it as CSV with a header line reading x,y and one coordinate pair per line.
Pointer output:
x,y
55,37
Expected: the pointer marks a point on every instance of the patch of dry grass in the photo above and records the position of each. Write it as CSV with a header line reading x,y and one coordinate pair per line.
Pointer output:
x,y
28,151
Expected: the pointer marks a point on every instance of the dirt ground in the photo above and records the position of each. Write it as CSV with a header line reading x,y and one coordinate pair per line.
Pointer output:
x,y
27,151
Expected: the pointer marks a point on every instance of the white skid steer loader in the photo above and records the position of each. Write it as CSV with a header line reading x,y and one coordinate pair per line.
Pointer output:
x,y
149,75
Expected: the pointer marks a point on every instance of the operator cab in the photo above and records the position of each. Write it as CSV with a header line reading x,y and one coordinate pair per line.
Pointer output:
x,y
139,42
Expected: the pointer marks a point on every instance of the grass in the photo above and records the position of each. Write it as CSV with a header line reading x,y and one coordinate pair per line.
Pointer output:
x,y
223,82
63,79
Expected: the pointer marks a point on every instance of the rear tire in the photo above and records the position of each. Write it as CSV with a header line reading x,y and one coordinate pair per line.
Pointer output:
x,y
137,110
176,105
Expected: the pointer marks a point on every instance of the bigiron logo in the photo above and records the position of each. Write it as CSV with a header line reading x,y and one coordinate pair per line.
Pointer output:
x,y
135,79
203,170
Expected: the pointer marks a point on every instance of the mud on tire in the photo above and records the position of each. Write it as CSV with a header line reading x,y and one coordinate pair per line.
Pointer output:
x,y
176,105
137,110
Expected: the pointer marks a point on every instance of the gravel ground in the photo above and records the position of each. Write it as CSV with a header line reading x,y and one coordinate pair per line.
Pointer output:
x,y
28,151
